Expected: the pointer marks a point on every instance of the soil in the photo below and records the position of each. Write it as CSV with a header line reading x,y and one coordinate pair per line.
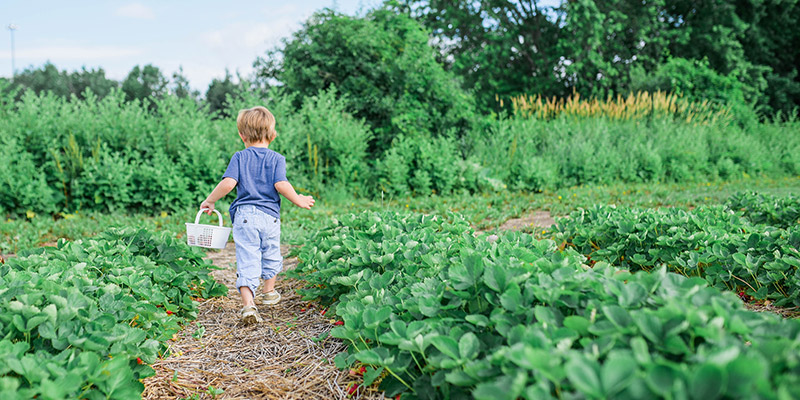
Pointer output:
x,y
541,219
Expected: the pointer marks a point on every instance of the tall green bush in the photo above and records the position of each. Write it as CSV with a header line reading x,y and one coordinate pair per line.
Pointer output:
x,y
420,167
109,154
530,154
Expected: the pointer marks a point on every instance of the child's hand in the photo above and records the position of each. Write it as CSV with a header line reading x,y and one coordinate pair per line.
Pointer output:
x,y
306,202
209,205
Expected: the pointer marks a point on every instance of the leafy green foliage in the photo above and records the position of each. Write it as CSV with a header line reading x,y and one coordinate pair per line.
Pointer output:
x,y
724,248
692,79
218,92
145,84
500,48
64,84
82,320
782,212
508,48
109,154
383,66
529,154
451,315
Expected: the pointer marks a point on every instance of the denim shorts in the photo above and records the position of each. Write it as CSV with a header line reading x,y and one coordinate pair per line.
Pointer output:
x,y
257,236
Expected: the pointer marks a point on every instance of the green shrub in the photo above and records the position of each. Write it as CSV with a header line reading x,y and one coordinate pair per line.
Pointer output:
x,y
419,166
569,151
694,79
108,154
22,186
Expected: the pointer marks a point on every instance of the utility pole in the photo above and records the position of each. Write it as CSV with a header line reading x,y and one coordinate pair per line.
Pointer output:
x,y
12,28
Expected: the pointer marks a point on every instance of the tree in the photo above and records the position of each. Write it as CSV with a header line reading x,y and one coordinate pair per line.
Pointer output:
x,y
773,40
48,78
94,79
180,86
144,83
501,48
508,47
382,65
693,79
602,41
218,92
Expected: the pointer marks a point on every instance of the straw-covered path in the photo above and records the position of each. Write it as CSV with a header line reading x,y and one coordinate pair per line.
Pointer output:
x,y
281,358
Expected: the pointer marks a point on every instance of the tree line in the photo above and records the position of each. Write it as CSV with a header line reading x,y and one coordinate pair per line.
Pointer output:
x,y
429,65
143,83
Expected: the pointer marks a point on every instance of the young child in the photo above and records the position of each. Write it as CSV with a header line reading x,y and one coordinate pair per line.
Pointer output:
x,y
259,174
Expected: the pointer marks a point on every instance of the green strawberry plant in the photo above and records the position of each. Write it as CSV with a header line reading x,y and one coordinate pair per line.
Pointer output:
x,y
84,319
715,243
782,212
449,315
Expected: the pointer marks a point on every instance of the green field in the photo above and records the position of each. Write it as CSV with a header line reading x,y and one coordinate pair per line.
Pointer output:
x,y
589,200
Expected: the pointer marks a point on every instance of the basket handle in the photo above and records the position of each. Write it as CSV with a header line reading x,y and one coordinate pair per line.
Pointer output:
x,y
197,218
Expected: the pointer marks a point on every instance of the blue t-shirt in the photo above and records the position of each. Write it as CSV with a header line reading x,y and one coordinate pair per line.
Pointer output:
x,y
256,170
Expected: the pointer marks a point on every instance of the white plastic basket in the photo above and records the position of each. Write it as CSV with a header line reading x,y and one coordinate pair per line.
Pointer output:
x,y
208,236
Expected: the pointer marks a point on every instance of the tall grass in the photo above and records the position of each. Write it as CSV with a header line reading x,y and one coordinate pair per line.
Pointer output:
x,y
533,154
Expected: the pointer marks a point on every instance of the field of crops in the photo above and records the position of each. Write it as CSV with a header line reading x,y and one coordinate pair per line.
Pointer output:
x,y
84,319
495,200
634,292
437,312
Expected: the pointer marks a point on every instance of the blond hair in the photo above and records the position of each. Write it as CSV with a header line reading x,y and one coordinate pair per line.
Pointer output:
x,y
256,124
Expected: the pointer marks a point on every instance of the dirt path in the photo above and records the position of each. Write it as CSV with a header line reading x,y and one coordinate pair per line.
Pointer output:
x,y
541,219
277,359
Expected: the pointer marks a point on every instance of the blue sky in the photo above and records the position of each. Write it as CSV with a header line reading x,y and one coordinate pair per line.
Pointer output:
x,y
204,37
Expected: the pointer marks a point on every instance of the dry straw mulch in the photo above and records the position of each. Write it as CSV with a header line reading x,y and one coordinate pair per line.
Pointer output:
x,y
277,359
785,312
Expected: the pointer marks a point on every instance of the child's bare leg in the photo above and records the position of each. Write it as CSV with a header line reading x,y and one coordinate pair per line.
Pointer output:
x,y
269,284
247,296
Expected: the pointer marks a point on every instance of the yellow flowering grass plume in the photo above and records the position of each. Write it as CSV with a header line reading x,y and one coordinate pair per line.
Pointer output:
x,y
632,107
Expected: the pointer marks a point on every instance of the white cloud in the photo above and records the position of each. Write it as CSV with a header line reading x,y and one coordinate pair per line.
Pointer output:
x,y
72,53
236,45
247,37
136,11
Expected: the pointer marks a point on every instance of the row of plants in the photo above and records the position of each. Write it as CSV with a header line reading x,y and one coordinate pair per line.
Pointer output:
x,y
484,211
84,319
761,208
432,311
63,155
731,250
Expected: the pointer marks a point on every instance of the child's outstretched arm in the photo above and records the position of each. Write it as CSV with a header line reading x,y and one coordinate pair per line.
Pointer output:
x,y
285,188
223,187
